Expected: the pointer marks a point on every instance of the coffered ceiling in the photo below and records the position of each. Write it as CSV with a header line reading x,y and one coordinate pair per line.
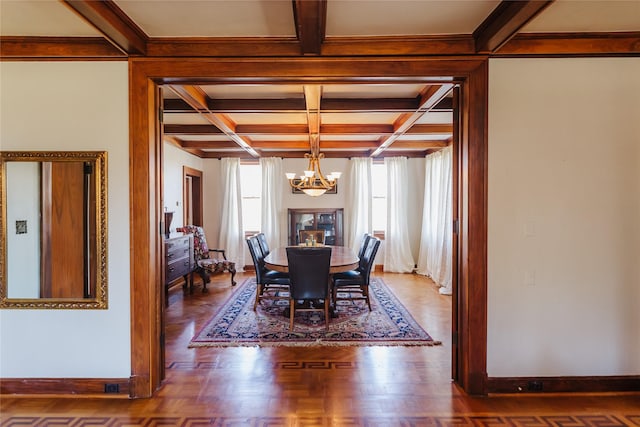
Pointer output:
x,y
349,119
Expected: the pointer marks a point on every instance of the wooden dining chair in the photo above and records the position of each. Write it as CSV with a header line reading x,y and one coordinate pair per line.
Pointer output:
x,y
357,281
309,279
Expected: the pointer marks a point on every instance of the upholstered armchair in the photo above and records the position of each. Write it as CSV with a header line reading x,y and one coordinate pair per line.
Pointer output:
x,y
206,264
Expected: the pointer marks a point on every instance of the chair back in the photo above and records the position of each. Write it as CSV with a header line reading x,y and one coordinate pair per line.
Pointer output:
x,y
317,234
264,246
363,244
309,272
200,247
256,256
366,261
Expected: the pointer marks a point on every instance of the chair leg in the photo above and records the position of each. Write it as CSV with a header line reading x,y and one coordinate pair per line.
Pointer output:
x,y
258,293
365,292
326,312
232,270
292,312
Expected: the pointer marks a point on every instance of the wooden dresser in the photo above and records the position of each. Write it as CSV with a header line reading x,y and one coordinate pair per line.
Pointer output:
x,y
179,262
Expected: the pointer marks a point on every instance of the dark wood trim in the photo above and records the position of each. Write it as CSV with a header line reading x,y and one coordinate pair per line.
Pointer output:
x,y
572,44
602,384
310,18
472,279
145,176
111,21
59,48
521,45
223,46
505,21
65,386
450,44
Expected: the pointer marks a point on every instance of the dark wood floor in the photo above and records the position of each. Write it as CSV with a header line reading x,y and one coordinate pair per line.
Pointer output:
x,y
317,386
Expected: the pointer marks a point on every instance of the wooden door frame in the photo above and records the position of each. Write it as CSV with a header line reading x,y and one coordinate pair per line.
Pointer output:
x,y
146,209
197,202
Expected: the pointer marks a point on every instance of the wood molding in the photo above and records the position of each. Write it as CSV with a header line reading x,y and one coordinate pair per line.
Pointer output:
x,y
145,177
61,48
587,384
451,44
227,46
95,387
572,44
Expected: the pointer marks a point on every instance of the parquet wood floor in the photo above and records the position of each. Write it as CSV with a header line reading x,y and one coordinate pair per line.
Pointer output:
x,y
317,386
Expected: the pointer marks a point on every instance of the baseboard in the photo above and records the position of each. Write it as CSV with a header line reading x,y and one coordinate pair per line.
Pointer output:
x,y
602,384
102,387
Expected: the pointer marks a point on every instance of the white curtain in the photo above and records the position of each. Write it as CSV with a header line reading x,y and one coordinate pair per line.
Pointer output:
x,y
436,239
231,235
271,199
397,247
358,204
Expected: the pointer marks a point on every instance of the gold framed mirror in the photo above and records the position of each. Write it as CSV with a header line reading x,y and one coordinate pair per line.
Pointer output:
x,y
53,229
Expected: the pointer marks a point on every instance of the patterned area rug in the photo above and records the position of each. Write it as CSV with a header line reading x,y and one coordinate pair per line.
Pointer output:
x,y
236,324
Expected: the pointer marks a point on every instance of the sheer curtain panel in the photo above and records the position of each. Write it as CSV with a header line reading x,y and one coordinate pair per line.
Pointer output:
x,y
436,238
358,207
231,235
397,247
271,199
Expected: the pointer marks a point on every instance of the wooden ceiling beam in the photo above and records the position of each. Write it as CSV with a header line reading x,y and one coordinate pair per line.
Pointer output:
x,y
208,145
197,99
429,98
504,22
113,23
310,18
296,129
327,105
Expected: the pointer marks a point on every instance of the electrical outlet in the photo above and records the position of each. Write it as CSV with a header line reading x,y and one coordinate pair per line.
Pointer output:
x,y
112,388
534,385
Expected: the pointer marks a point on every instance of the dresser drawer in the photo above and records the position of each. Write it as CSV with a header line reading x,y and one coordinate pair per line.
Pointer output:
x,y
178,252
178,268
177,247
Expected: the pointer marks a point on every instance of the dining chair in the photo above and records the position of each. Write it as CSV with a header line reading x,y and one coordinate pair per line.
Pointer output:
x,y
264,246
266,279
363,244
318,235
357,281
309,277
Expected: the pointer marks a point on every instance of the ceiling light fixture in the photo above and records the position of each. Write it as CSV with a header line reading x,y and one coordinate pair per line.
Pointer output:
x,y
313,183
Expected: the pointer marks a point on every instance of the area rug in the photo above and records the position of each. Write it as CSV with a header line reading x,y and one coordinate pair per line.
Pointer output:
x,y
237,324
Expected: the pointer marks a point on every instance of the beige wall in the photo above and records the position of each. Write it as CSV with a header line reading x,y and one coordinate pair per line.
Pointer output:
x,y
64,106
174,161
564,205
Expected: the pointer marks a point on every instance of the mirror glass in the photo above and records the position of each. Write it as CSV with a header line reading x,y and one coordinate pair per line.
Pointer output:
x,y
53,229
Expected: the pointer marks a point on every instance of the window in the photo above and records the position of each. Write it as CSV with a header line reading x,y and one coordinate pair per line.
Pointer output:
x,y
251,188
379,193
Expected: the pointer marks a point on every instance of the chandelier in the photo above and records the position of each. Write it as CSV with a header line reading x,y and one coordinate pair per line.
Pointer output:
x,y
313,183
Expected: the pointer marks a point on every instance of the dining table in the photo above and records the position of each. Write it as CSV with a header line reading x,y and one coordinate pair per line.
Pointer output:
x,y
343,258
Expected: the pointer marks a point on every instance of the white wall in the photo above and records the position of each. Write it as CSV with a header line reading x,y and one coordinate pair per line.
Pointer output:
x,y
72,106
174,161
564,205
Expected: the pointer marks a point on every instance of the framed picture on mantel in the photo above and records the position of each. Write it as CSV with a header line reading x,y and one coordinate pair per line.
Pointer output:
x,y
296,181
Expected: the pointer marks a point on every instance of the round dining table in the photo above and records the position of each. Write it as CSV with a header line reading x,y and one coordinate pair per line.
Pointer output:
x,y
342,259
